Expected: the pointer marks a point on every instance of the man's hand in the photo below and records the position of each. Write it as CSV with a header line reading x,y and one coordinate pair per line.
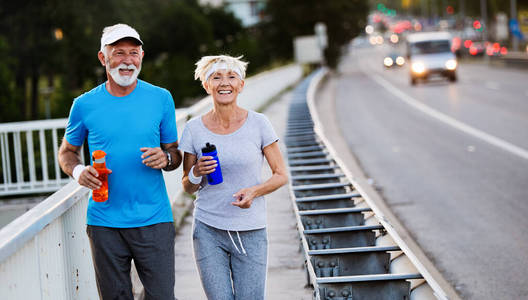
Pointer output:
x,y
70,157
88,178
154,157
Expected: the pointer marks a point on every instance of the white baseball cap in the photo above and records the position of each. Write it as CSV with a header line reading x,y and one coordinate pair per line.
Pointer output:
x,y
112,34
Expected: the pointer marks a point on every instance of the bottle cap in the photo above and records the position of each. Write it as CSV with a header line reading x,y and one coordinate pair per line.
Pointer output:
x,y
98,156
208,148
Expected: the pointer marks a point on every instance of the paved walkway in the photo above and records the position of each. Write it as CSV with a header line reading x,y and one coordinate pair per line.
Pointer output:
x,y
286,274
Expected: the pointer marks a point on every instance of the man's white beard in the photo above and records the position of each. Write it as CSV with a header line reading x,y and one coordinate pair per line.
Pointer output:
x,y
124,80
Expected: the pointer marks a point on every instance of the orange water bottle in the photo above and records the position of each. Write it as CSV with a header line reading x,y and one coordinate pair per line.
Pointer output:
x,y
99,163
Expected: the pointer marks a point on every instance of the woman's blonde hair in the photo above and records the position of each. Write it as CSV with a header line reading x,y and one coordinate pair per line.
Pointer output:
x,y
232,63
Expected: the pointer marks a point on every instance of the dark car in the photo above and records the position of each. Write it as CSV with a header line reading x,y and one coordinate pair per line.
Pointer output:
x,y
393,59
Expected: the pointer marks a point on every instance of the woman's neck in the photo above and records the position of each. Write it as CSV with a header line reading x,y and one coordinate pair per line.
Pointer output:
x,y
224,115
225,119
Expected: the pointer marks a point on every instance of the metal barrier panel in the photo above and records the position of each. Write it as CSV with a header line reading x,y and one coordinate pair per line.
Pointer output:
x,y
20,274
45,253
78,267
352,250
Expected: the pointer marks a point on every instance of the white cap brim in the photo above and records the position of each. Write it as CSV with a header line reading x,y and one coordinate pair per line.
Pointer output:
x,y
120,32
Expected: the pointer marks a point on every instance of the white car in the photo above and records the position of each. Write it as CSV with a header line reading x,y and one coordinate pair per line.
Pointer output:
x,y
429,54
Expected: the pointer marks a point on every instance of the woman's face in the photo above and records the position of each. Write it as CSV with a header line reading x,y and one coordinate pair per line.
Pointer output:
x,y
224,86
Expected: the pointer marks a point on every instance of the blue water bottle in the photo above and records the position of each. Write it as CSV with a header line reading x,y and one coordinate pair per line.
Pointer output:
x,y
216,176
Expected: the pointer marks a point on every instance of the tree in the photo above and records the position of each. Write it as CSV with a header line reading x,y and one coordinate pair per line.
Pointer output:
x,y
54,43
29,44
344,20
8,101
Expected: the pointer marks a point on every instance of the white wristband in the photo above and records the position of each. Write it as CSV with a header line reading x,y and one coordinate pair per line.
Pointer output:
x,y
77,171
193,179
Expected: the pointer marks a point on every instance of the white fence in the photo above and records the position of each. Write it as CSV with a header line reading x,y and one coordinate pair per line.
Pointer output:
x,y
27,164
45,254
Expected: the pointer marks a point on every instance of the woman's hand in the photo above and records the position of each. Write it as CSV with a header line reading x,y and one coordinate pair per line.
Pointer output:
x,y
244,197
205,165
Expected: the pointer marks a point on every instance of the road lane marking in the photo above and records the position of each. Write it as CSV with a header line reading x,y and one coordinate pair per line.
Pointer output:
x,y
492,85
449,120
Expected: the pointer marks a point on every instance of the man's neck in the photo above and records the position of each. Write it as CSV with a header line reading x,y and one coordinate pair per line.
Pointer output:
x,y
119,91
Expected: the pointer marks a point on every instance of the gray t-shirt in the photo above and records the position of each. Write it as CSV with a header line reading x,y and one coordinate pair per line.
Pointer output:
x,y
241,159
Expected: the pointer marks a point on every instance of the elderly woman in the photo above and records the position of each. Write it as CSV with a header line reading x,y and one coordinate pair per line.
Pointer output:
x,y
229,230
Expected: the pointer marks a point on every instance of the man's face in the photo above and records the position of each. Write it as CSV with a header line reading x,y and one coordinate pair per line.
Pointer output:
x,y
123,61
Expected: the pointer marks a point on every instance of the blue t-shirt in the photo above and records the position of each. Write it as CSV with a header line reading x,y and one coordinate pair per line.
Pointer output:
x,y
120,126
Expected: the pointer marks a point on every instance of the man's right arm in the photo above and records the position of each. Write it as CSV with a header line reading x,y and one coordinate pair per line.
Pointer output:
x,y
69,158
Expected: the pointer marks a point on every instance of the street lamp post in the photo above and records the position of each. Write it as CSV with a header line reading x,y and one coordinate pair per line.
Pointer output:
x,y
463,13
424,9
513,16
484,22
322,39
47,100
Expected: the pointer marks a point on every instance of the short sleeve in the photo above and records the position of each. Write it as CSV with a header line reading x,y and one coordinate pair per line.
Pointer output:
x,y
186,142
267,133
75,130
168,130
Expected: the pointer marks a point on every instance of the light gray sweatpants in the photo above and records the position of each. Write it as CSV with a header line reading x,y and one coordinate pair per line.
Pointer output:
x,y
232,265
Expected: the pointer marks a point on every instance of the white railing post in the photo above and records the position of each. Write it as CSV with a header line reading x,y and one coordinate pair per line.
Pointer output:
x,y
30,158
5,161
43,157
56,154
18,159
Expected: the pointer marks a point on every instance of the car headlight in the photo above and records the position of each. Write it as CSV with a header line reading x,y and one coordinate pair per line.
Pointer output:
x,y
418,67
400,60
451,64
388,61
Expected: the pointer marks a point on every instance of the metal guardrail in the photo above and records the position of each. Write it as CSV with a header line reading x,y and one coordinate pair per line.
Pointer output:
x,y
351,251
45,254
512,59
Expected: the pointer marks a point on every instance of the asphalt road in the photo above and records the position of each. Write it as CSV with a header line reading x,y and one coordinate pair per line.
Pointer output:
x,y
451,161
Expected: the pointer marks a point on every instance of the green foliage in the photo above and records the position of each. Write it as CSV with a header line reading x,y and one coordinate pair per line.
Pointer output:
x,y
8,101
344,20
176,34
52,45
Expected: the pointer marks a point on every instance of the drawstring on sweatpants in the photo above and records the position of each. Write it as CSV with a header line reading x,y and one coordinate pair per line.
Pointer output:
x,y
239,240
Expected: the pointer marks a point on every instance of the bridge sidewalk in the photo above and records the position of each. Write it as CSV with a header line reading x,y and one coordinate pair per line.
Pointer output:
x,y
286,274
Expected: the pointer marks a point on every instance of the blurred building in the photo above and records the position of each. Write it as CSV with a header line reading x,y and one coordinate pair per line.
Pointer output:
x,y
250,12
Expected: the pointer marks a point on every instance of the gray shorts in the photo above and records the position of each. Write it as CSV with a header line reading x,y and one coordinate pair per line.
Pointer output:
x,y
152,249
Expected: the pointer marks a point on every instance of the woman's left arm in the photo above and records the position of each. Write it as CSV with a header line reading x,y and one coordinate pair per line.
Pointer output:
x,y
245,196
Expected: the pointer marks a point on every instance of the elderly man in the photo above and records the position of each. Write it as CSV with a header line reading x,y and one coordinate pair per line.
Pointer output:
x,y
133,122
